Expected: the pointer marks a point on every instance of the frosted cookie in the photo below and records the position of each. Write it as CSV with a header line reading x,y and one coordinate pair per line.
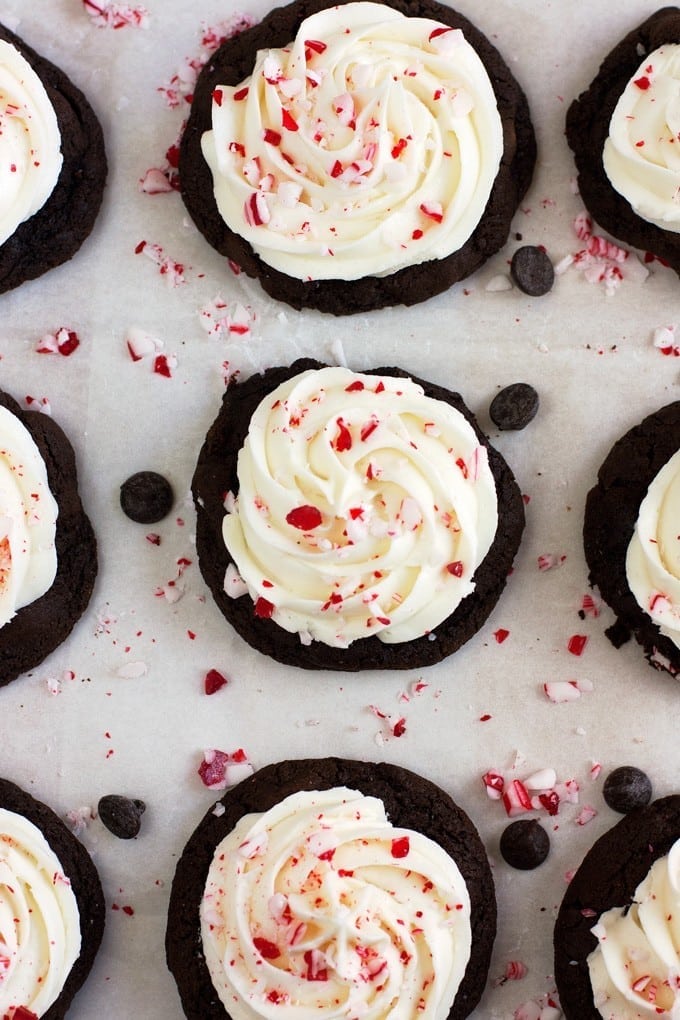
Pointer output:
x,y
624,134
616,945
48,551
51,909
631,536
52,164
335,887
357,155
368,523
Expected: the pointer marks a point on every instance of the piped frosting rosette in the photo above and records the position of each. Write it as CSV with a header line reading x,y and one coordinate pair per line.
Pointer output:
x,y
635,969
371,143
641,155
364,508
39,918
321,907
30,142
28,515
653,560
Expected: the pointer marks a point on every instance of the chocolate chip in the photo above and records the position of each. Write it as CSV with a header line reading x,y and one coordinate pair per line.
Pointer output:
x,y
525,844
121,815
146,497
532,270
514,406
627,788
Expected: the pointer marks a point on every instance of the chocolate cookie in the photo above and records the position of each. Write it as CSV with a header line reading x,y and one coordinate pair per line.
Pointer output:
x,y
608,877
234,62
78,868
588,120
40,627
216,475
56,231
612,509
411,802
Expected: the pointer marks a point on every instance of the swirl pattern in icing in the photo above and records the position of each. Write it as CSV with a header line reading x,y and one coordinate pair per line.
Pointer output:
x,y
642,152
371,143
39,918
653,558
321,907
364,507
30,142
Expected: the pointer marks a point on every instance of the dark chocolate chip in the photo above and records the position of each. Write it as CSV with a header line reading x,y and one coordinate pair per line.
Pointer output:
x,y
627,788
121,815
525,844
532,270
146,497
514,406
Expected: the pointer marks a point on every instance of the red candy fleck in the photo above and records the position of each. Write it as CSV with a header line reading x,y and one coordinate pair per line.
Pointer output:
x,y
161,366
264,608
550,801
643,82
343,439
21,1013
214,681
516,798
576,643
355,386
218,96
271,136
501,634
306,517
315,46
241,94
400,847
267,950
399,728
315,971
455,568
289,121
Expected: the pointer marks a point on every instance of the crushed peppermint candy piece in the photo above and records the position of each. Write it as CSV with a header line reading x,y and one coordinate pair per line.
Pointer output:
x,y
219,769
63,341
560,691
38,404
156,182
585,815
141,344
78,819
106,14
214,681
601,260
664,340
173,272
577,643
548,561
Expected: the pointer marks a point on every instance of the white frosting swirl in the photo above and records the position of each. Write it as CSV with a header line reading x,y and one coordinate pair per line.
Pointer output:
x,y
635,969
321,908
28,515
364,508
30,157
641,156
39,918
370,143
653,559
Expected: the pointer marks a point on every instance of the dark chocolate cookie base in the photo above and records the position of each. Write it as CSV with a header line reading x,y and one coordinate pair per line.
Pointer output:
x,y
234,62
588,126
216,474
39,628
608,877
55,233
612,509
410,801
78,867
